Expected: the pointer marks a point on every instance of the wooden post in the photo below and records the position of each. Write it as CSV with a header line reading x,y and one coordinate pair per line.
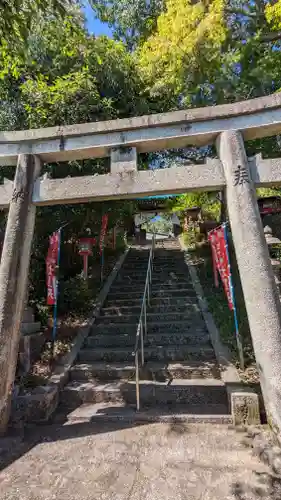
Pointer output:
x,y
14,274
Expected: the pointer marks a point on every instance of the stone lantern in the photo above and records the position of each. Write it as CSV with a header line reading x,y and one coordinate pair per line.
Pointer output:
x,y
275,253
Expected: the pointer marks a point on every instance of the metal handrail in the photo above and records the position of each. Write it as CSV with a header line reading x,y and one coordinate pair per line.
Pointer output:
x,y
142,324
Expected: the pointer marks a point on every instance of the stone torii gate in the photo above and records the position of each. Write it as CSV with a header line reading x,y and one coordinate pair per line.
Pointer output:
x,y
227,126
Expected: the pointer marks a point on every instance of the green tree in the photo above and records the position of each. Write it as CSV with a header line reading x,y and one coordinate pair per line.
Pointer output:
x,y
132,20
66,76
187,43
17,16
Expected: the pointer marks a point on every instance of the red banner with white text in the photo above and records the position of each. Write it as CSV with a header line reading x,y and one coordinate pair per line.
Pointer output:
x,y
221,262
104,223
51,265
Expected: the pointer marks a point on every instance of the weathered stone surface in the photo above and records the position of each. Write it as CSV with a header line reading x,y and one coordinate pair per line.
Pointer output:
x,y
28,315
150,371
260,292
172,292
169,328
36,406
162,284
123,160
154,301
13,275
152,318
256,118
127,184
118,412
245,408
153,309
164,339
193,392
28,328
156,353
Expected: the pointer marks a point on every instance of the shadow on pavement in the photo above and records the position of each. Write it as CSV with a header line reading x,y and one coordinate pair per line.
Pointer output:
x,y
15,446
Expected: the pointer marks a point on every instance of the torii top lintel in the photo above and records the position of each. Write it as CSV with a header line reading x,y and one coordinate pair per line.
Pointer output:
x,y
255,118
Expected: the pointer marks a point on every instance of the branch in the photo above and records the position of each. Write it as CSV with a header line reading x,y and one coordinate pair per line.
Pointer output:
x,y
271,37
241,12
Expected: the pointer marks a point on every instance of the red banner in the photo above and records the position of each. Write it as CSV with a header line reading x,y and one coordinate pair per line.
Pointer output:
x,y
221,261
51,264
104,223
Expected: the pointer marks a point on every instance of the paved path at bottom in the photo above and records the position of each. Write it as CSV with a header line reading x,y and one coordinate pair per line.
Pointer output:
x,y
150,462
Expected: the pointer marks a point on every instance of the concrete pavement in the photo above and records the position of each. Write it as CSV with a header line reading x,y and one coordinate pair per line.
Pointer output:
x,y
151,462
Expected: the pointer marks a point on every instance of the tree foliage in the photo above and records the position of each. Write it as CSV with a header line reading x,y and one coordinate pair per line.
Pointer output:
x,y
66,76
273,13
164,55
189,37
132,20
17,16
210,52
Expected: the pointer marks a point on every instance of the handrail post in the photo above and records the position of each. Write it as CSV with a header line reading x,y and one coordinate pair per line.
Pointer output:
x,y
145,319
148,293
142,348
137,380
142,324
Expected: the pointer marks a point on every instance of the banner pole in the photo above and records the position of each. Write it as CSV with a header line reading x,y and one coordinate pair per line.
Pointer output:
x,y
215,271
238,338
102,264
104,222
54,333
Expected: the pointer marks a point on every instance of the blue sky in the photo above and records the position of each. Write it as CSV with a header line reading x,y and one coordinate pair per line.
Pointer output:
x,y
94,25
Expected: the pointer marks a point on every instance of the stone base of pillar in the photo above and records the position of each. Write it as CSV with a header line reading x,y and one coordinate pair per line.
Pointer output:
x,y
245,408
28,315
277,273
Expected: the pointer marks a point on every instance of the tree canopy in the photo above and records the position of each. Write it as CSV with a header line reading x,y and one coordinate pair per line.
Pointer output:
x,y
132,20
17,16
164,55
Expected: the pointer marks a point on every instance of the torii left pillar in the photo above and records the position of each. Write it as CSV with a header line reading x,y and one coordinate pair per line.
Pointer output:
x,y
14,274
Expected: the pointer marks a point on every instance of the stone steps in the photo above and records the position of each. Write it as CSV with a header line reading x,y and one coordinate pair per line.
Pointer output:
x,y
158,261
150,371
161,278
168,308
151,317
152,328
203,392
180,375
153,301
161,286
157,268
117,412
155,353
128,339
173,292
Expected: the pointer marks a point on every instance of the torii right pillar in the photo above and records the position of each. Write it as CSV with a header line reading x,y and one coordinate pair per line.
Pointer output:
x,y
260,292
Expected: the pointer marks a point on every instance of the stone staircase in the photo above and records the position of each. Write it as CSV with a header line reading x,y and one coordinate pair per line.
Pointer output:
x,y
180,375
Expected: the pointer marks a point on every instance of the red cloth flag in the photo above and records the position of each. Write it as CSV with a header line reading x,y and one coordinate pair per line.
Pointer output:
x,y
51,264
104,223
221,261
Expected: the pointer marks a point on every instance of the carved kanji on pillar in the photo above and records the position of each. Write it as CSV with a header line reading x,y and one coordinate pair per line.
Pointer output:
x,y
260,292
13,275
